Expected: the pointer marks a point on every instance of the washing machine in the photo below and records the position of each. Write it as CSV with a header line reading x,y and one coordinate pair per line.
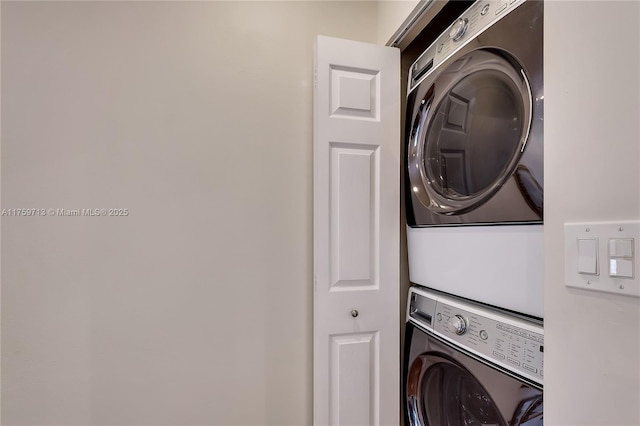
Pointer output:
x,y
465,364
474,158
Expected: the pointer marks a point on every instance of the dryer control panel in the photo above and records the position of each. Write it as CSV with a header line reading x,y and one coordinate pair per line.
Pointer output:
x,y
480,16
512,343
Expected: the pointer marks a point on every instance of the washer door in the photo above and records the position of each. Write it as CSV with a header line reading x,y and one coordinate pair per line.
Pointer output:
x,y
468,132
440,392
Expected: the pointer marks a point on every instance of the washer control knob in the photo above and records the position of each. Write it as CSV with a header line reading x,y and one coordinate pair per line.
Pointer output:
x,y
458,29
457,325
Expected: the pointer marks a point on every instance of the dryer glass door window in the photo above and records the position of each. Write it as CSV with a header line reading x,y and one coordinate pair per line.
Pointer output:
x,y
474,135
470,131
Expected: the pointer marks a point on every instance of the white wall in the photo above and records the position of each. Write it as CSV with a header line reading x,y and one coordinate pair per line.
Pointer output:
x,y
195,116
391,16
592,154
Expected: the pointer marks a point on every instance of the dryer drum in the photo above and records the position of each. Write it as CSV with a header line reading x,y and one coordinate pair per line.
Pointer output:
x,y
469,132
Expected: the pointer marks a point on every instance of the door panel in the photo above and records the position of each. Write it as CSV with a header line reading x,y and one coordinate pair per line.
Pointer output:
x,y
354,198
354,376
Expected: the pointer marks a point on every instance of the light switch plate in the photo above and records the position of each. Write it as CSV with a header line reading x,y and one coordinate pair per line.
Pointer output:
x,y
603,232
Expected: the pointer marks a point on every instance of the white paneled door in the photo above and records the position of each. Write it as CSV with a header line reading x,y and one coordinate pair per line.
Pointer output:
x,y
356,233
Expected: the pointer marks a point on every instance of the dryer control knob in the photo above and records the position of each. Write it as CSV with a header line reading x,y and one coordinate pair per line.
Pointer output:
x,y
457,325
458,29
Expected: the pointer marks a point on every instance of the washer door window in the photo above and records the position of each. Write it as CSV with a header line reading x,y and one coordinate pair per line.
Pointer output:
x,y
468,132
442,393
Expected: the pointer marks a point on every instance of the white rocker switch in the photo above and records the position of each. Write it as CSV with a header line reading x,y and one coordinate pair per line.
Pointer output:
x,y
621,247
621,268
588,256
621,257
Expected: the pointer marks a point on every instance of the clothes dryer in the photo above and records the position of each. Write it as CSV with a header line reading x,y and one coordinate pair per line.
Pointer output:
x,y
474,160
468,365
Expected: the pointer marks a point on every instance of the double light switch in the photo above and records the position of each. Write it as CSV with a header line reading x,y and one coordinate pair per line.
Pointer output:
x,y
619,257
603,256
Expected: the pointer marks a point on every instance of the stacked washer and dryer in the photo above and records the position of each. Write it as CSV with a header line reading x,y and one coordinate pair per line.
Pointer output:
x,y
474,176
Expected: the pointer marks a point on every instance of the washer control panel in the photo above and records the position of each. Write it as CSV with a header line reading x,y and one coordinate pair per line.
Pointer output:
x,y
481,15
513,343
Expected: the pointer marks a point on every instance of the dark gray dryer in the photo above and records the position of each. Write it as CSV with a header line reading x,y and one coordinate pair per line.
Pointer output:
x,y
475,111
474,163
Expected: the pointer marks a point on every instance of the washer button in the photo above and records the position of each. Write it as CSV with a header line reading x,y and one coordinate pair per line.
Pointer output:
x,y
513,361
484,335
485,9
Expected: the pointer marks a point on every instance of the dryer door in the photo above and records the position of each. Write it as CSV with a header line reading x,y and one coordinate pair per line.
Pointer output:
x,y
441,392
469,128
